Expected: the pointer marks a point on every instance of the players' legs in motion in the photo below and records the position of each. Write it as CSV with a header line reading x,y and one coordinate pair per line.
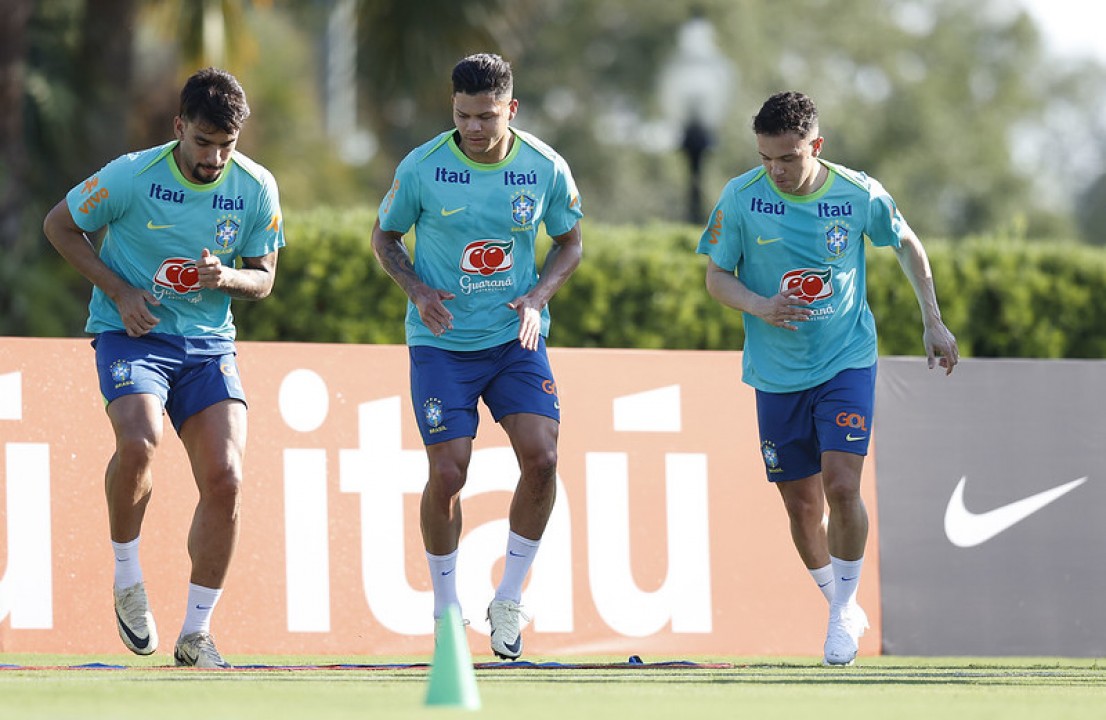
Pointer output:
x,y
440,516
215,439
137,424
847,535
534,440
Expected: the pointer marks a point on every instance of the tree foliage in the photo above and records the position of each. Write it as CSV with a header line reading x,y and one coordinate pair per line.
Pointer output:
x,y
952,104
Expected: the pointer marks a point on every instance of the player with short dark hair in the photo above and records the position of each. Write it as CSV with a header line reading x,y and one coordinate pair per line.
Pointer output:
x,y
786,245
477,315
185,227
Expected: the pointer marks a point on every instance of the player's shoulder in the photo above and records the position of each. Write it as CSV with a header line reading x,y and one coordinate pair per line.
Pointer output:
x,y
537,144
745,182
254,169
428,149
858,178
137,162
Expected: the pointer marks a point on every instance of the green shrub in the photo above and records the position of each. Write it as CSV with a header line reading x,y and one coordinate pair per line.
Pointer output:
x,y
642,287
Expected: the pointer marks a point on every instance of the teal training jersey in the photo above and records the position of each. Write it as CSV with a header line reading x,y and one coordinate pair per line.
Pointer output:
x,y
774,241
475,231
158,224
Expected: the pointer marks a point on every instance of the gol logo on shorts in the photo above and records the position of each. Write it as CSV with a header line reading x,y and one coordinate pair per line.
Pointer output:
x,y
852,420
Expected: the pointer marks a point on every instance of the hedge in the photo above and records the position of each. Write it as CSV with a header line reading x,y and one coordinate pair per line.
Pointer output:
x,y
642,287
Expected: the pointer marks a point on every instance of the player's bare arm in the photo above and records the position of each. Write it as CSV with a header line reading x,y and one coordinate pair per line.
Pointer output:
x,y
562,260
391,252
939,342
782,310
252,281
77,248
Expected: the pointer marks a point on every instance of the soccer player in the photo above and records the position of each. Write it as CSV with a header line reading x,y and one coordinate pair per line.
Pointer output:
x,y
786,247
185,227
477,316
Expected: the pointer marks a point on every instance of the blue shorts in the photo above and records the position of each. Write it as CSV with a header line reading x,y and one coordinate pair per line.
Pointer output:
x,y
446,384
188,374
796,428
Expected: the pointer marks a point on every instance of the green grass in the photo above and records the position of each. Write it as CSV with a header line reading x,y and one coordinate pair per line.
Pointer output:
x,y
883,688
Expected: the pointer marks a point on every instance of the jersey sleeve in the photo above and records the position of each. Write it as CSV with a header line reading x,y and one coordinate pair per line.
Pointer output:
x,y
886,225
400,207
104,197
267,233
564,201
721,240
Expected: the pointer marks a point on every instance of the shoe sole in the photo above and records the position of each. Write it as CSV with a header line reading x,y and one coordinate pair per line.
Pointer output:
x,y
183,662
827,663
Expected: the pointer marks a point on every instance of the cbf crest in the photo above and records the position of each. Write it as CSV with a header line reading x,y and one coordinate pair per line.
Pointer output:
x,y
121,373
432,413
522,208
771,457
837,238
226,233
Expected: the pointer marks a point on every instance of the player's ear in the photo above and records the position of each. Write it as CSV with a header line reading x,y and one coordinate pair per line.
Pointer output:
x,y
816,146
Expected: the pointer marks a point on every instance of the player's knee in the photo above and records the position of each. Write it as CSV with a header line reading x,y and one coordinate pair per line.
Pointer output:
x,y
446,479
805,511
221,485
842,492
135,451
540,464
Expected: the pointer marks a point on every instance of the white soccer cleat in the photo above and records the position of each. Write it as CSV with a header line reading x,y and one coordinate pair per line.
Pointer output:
x,y
843,635
136,623
198,650
506,634
856,620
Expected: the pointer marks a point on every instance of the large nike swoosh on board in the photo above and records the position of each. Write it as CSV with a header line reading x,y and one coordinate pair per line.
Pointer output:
x,y
967,529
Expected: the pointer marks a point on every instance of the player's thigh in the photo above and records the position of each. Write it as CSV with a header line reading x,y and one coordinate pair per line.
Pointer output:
x,y
445,387
533,437
137,423
134,377
788,437
524,385
843,411
215,440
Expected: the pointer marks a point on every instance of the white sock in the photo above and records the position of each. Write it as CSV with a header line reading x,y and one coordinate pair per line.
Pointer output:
x,y
128,571
520,555
443,578
823,576
201,604
846,580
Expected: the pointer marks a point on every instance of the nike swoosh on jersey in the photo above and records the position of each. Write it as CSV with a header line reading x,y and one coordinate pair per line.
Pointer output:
x,y
967,529
150,225
853,438
767,241
447,213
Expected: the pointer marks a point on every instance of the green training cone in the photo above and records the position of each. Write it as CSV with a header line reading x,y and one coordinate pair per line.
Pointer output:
x,y
452,679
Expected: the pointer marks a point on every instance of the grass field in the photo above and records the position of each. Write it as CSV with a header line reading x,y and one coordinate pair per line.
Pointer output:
x,y
888,688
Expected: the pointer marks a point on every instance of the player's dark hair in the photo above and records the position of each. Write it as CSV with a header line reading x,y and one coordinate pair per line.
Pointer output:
x,y
786,112
214,97
483,73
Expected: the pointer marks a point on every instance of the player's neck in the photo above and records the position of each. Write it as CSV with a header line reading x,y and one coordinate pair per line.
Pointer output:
x,y
815,183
